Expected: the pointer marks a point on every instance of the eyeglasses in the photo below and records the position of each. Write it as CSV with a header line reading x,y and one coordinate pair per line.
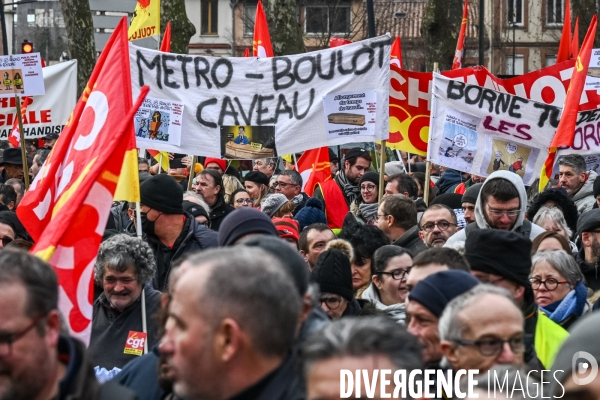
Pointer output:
x,y
443,225
242,201
368,188
6,240
283,185
398,274
332,302
550,283
7,340
382,215
493,346
499,213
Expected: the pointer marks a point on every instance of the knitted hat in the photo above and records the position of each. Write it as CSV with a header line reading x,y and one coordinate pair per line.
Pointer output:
x,y
471,194
333,274
195,209
289,258
272,203
370,176
311,213
10,218
499,252
257,177
588,221
244,221
357,152
221,163
596,187
452,200
162,193
437,290
394,168
287,228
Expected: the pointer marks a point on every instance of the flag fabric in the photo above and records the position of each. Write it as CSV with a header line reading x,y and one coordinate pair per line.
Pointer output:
x,y
261,44
460,45
161,157
564,47
337,41
565,131
247,52
313,166
66,207
396,53
15,135
165,45
575,41
145,21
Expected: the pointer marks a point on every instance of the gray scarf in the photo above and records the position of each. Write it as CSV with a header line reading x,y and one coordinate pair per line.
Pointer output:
x,y
368,212
351,191
297,200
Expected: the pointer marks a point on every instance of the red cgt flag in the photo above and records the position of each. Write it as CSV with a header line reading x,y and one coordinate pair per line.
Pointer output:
x,y
460,45
396,53
68,204
15,135
564,47
165,45
338,41
261,45
313,166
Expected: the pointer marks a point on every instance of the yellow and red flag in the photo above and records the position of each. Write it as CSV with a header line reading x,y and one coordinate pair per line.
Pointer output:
x,y
460,45
564,47
145,21
565,131
261,44
396,53
15,135
68,203
575,41
313,166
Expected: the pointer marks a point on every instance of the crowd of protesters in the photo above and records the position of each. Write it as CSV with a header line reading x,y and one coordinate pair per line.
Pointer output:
x,y
245,287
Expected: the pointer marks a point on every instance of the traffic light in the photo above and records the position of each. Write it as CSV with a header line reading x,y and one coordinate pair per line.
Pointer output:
x,y
26,47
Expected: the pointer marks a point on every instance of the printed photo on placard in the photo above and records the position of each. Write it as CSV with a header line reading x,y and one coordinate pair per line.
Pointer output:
x,y
247,142
158,120
459,141
350,113
508,156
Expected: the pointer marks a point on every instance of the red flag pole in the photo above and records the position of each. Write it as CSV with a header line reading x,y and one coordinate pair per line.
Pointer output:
x,y
23,150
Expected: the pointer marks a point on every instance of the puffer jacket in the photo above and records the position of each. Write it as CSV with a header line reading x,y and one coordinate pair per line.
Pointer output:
x,y
584,199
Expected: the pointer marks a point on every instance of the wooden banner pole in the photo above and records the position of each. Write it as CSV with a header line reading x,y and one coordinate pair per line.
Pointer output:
x,y
23,149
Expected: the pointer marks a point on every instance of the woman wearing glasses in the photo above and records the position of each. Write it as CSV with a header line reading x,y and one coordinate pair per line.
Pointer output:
x,y
388,287
364,208
240,198
558,287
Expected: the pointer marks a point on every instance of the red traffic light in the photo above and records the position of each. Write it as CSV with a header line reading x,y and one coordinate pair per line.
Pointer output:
x,y
26,47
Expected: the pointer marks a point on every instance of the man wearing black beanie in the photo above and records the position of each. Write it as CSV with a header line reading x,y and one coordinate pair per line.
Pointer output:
x,y
170,232
333,274
503,259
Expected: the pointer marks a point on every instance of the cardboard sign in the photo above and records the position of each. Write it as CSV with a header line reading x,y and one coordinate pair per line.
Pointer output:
x,y
156,121
135,343
21,75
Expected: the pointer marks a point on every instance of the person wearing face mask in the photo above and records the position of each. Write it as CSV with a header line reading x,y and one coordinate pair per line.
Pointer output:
x,y
170,232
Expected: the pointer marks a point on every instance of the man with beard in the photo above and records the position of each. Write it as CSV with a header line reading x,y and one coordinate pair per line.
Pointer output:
x,y
338,193
501,205
588,228
437,224
36,360
170,232
578,183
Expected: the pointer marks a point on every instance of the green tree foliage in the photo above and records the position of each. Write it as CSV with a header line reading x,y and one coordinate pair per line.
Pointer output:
x,y
284,26
440,29
182,29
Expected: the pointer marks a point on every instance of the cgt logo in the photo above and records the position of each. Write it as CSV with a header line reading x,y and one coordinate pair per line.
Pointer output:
x,y
135,343
581,368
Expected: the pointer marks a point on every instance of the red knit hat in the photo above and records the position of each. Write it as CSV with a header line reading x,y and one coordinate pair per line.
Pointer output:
x,y
218,161
287,228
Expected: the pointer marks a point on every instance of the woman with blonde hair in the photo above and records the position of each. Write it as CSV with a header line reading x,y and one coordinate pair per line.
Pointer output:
x,y
257,186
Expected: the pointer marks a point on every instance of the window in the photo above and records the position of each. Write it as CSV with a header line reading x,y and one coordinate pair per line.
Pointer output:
x,y
31,17
550,60
319,19
554,12
519,64
514,12
249,17
209,16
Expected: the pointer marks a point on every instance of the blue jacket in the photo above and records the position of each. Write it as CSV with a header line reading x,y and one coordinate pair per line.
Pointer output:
x,y
449,181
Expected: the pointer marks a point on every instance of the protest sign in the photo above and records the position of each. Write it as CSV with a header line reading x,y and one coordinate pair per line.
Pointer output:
x,y
350,113
247,142
45,114
586,140
479,130
21,75
158,120
592,81
410,97
283,92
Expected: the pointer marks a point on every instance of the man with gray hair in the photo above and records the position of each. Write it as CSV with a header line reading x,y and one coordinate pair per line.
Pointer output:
x,y
365,343
231,326
482,328
578,183
124,266
266,165
19,187
289,183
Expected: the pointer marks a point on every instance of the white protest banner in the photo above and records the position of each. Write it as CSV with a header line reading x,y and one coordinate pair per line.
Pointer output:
x,y
158,121
283,92
48,113
21,75
479,130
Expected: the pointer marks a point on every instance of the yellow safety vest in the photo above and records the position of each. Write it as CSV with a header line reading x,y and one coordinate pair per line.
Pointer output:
x,y
549,336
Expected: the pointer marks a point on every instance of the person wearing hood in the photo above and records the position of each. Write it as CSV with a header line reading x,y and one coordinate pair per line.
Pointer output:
x,y
578,183
500,205
388,287
558,287
588,256
450,180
